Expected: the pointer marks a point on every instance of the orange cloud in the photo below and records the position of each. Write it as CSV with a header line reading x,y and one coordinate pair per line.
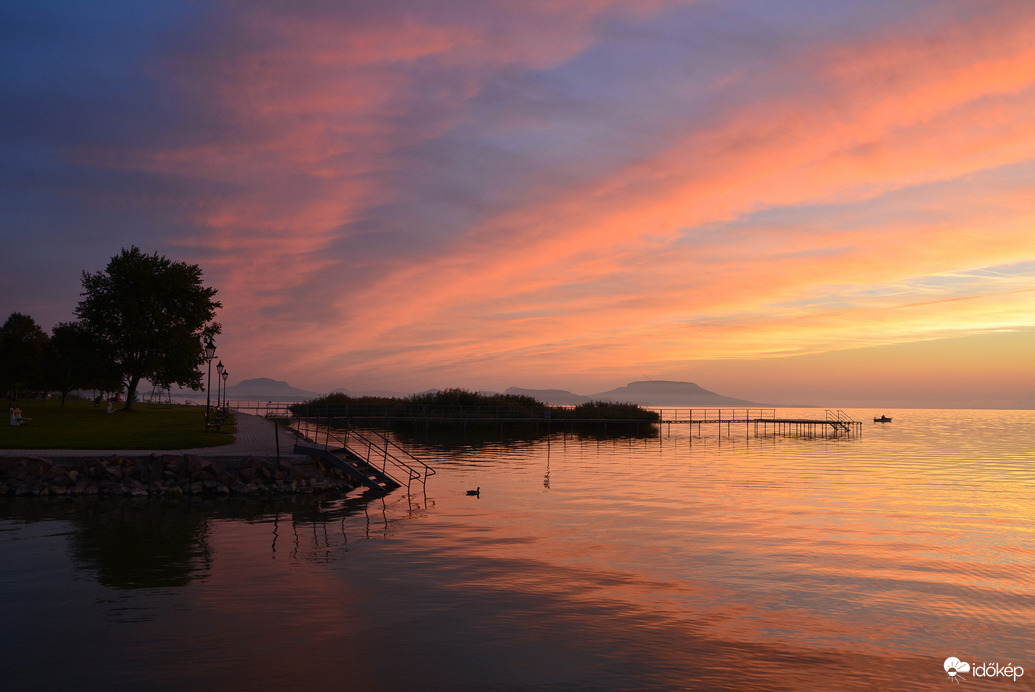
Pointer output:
x,y
820,204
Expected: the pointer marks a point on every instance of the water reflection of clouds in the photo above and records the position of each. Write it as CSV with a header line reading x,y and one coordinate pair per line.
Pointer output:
x,y
666,563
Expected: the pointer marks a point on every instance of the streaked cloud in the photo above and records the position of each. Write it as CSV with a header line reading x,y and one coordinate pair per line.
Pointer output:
x,y
575,194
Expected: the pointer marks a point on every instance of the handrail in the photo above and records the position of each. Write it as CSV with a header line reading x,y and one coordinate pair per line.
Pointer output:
x,y
839,416
314,429
269,409
712,414
387,456
840,419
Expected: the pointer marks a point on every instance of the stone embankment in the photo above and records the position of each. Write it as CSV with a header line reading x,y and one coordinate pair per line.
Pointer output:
x,y
164,475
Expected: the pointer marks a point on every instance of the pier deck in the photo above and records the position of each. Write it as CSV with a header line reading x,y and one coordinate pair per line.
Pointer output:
x,y
835,423
752,421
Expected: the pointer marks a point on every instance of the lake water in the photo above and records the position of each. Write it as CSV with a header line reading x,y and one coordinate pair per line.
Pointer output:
x,y
675,561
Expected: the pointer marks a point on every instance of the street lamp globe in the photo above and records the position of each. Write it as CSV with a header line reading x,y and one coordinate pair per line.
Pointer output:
x,y
210,353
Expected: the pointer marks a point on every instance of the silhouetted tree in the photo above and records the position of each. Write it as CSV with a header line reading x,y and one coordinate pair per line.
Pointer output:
x,y
153,316
76,360
22,347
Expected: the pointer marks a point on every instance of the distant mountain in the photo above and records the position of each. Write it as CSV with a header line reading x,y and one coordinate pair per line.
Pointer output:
x,y
388,394
650,393
555,397
265,388
645,393
667,393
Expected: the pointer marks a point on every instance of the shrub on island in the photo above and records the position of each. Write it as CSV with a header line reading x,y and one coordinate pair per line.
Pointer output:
x,y
463,404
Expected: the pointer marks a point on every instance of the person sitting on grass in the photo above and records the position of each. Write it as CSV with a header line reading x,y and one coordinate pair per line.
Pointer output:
x,y
17,418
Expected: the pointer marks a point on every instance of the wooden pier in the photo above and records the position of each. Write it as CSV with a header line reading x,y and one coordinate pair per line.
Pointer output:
x,y
757,422
762,422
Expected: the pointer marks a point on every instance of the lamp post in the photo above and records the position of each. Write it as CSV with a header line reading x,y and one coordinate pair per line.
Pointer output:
x,y
219,392
226,399
210,353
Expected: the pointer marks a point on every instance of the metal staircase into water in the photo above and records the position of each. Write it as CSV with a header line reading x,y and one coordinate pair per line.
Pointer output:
x,y
367,456
839,420
357,468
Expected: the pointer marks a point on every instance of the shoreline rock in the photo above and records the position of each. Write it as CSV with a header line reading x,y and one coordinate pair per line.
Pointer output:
x,y
165,475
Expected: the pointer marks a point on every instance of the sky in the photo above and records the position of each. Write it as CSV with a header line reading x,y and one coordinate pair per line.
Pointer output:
x,y
819,202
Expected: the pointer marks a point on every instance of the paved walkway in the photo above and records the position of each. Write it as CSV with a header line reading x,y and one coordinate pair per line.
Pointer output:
x,y
254,438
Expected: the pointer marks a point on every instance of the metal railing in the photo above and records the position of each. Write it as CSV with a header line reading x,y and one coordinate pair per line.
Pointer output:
x,y
268,409
711,415
373,447
840,419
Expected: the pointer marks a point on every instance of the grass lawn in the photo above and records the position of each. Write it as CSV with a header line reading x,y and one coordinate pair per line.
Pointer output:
x,y
79,425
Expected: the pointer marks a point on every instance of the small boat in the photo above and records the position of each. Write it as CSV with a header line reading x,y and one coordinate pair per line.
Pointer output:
x,y
882,419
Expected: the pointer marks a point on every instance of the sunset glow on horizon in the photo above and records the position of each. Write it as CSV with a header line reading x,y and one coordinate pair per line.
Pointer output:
x,y
829,203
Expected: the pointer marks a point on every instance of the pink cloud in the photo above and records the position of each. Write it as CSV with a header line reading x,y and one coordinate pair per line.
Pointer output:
x,y
650,258
796,161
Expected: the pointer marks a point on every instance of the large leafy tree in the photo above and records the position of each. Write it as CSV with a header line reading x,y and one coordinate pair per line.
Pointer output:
x,y
76,360
23,344
153,316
